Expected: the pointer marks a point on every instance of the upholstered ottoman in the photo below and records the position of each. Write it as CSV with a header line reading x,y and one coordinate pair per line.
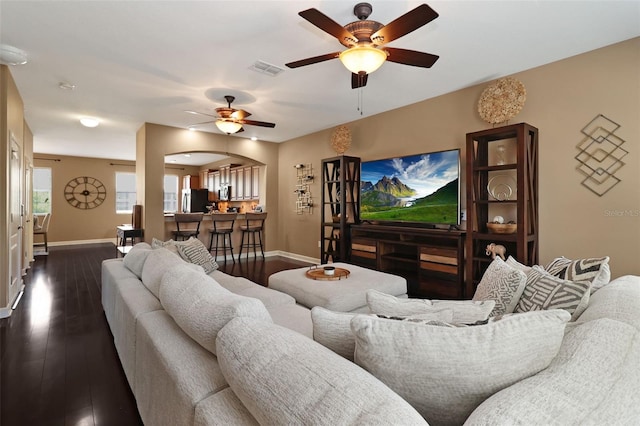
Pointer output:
x,y
344,295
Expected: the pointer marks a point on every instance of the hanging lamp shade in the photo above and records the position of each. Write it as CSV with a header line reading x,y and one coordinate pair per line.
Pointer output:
x,y
365,59
228,127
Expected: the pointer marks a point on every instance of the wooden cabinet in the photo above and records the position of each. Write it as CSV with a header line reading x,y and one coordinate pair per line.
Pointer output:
x,y
237,183
213,183
255,183
502,180
340,206
432,260
190,182
203,178
247,193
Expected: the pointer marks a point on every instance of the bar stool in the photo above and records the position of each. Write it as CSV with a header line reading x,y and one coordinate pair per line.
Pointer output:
x,y
190,225
253,224
222,227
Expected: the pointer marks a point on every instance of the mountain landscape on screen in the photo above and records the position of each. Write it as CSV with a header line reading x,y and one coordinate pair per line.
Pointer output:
x,y
422,188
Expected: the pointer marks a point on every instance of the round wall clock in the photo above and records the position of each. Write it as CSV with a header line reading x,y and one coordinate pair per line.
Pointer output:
x,y
85,192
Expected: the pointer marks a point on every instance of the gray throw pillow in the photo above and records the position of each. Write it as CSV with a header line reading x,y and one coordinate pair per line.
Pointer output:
x,y
193,251
546,291
502,284
595,270
445,373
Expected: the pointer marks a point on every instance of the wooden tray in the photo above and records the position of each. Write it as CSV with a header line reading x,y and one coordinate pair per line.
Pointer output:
x,y
317,273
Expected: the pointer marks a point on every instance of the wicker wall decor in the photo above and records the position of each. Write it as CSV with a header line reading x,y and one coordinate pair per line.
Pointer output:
x,y
341,139
502,100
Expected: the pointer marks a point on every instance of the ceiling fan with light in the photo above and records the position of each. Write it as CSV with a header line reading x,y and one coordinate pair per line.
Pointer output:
x,y
230,120
366,41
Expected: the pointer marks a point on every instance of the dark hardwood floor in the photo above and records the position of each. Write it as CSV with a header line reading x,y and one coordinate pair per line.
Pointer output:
x,y
58,362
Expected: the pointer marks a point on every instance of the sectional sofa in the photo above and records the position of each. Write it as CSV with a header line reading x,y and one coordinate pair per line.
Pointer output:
x,y
205,349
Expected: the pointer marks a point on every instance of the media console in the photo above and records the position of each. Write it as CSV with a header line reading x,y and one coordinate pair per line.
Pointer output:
x,y
432,260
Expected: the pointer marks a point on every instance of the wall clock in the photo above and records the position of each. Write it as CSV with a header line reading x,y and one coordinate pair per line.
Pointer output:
x,y
85,192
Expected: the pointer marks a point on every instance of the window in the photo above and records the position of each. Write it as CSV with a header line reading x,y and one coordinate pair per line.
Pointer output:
x,y
171,193
41,190
125,192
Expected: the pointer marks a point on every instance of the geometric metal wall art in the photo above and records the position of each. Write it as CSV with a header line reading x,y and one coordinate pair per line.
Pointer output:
x,y
600,155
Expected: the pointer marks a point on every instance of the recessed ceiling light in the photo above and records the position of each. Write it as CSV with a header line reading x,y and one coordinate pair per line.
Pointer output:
x,y
187,155
10,55
253,138
89,121
65,85
191,128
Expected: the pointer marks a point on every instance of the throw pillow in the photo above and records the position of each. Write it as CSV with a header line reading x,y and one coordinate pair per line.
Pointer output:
x,y
595,270
193,251
546,291
285,378
517,265
333,329
169,245
502,284
445,373
462,311
201,307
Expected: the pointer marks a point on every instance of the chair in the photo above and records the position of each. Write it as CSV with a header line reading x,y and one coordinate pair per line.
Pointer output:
x,y
222,227
41,227
187,226
253,224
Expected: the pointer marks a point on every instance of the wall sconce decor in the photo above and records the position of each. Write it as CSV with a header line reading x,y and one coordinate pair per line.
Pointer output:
x,y
304,177
600,155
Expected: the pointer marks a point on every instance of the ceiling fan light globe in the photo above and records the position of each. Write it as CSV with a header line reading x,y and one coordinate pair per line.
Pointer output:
x,y
228,127
365,59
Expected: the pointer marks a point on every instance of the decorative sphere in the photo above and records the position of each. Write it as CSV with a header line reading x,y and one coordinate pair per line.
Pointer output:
x,y
498,219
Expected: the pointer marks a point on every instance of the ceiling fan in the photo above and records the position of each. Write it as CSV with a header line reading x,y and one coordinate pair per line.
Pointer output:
x,y
365,40
230,120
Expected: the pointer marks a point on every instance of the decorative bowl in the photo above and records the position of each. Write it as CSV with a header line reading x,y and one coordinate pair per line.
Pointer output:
x,y
502,228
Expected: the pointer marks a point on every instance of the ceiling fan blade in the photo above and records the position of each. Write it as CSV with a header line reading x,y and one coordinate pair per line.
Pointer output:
x,y
239,114
256,123
204,122
358,80
411,57
200,113
403,25
314,60
329,26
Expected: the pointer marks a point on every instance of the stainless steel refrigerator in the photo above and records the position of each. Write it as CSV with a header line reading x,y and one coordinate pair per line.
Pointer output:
x,y
195,200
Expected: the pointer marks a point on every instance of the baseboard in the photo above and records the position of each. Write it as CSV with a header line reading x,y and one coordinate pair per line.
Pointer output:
x,y
293,256
78,242
6,311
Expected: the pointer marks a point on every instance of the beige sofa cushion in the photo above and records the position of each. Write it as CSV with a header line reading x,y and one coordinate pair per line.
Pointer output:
x,y
201,307
445,373
451,311
592,381
158,262
284,378
134,260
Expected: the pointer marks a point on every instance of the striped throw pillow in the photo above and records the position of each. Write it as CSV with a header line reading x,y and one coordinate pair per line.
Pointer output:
x,y
193,251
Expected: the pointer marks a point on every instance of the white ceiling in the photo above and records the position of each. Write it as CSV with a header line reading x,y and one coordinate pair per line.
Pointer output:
x,y
149,61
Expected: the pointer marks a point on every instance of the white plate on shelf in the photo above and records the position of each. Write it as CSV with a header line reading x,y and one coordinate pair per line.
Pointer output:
x,y
502,187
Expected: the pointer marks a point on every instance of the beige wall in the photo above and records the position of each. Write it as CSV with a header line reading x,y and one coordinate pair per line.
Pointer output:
x,y
562,98
11,123
154,141
71,224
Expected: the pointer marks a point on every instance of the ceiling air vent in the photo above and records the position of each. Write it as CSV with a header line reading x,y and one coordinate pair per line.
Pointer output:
x,y
265,68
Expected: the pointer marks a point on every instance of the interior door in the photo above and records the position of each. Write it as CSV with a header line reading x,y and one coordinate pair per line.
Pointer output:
x,y
27,230
15,219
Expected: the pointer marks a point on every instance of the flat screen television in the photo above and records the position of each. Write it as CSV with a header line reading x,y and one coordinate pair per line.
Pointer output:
x,y
422,189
